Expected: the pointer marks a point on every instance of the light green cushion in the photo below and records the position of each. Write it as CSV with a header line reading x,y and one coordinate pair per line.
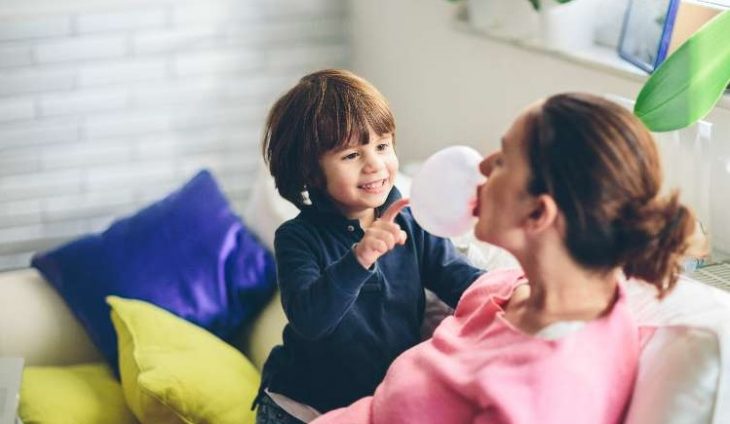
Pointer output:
x,y
77,394
176,372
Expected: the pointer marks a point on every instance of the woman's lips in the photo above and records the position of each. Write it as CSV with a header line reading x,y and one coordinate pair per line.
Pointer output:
x,y
474,204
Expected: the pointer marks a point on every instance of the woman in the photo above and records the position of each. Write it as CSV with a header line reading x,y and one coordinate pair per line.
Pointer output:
x,y
573,194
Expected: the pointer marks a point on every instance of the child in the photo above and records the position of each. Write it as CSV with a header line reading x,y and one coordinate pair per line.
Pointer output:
x,y
352,266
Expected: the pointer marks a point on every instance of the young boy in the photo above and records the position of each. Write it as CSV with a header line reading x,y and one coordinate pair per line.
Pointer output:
x,y
353,265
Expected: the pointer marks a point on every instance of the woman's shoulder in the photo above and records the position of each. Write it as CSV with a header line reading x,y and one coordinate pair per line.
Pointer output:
x,y
498,281
493,284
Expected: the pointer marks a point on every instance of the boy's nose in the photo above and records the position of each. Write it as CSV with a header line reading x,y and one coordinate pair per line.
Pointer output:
x,y
373,164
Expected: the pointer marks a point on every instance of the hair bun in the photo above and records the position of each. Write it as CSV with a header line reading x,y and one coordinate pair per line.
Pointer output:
x,y
654,236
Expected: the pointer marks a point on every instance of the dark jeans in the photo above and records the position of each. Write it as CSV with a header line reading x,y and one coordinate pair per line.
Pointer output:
x,y
269,412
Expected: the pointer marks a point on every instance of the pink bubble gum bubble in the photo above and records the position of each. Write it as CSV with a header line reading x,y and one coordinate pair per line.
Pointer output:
x,y
443,192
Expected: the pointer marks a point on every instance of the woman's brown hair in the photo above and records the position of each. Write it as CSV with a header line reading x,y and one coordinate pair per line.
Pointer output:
x,y
324,111
600,164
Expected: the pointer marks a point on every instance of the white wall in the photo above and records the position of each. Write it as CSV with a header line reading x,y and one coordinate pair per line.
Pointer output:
x,y
450,87
107,105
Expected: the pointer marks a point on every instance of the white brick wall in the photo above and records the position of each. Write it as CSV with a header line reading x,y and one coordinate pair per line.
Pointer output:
x,y
106,106
23,28
80,48
35,79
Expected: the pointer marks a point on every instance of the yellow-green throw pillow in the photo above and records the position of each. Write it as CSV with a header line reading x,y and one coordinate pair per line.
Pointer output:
x,y
75,394
176,372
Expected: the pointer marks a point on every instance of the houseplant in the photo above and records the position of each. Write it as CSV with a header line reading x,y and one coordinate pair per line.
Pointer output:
x,y
507,18
688,84
560,24
536,3
566,24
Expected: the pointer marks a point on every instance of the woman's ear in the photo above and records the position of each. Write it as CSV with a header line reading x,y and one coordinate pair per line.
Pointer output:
x,y
543,215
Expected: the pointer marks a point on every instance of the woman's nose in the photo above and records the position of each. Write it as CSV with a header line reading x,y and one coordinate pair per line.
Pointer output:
x,y
485,166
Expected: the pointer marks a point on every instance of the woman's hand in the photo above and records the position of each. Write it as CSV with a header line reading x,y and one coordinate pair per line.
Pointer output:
x,y
381,236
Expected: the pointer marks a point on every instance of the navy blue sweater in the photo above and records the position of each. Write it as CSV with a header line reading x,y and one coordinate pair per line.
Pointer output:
x,y
347,323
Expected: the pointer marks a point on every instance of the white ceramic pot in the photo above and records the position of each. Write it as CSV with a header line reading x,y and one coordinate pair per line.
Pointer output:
x,y
568,26
512,18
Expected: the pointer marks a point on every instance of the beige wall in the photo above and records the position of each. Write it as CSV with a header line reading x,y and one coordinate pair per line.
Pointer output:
x,y
447,86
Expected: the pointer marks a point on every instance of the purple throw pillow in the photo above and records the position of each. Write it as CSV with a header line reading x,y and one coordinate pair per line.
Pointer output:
x,y
187,253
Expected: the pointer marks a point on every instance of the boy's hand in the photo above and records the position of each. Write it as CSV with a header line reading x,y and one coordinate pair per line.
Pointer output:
x,y
381,236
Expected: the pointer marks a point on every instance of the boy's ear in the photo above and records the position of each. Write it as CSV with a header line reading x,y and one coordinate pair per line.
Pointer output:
x,y
543,215
315,181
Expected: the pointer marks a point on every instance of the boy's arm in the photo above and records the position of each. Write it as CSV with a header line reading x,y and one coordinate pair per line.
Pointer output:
x,y
314,299
446,272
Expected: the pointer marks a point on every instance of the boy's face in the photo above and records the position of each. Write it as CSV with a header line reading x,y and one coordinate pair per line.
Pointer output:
x,y
360,176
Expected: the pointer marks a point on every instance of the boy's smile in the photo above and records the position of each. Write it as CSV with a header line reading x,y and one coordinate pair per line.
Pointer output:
x,y
374,187
359,177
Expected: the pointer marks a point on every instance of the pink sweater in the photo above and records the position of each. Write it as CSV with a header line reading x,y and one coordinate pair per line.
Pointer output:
x,y
478,368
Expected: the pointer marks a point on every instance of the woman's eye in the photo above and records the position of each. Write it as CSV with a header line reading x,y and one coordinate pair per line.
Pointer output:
x,y
493,163
498,160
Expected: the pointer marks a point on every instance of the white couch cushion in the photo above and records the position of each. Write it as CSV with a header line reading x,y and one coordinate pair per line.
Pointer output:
x,y
683,374
265,209
35,323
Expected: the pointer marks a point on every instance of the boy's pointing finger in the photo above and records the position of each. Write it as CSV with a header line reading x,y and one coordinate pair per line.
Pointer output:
x,y
394,209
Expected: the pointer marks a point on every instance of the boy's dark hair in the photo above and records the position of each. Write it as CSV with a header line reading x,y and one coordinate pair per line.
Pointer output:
x,y
325,110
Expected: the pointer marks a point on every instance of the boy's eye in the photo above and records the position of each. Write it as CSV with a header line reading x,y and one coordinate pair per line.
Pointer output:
x,y
383,146
350,156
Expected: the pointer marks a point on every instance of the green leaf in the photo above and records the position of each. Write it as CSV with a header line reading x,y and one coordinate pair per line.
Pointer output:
x,y
536,3
685,88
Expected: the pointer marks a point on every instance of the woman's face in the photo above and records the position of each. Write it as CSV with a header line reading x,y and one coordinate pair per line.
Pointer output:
x,y
503,203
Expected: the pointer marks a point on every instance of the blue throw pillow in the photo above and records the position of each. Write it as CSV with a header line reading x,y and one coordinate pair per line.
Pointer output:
x,y
187,253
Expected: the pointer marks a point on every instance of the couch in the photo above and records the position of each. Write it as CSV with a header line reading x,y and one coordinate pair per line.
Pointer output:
x,y
683,376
